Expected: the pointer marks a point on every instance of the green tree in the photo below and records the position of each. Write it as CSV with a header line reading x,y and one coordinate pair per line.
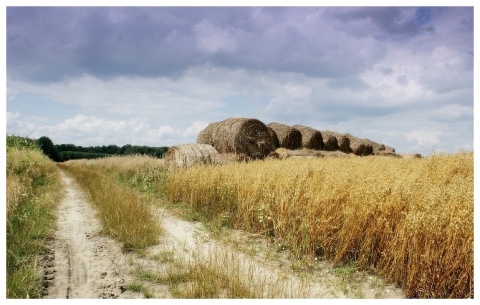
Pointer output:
x,y
46,145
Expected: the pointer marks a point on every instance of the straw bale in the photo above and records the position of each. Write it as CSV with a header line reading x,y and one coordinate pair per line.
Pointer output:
x,y
379,149
331,143
288,137
187,155
239,136
311,138
343,142
359,146
284,153
276,143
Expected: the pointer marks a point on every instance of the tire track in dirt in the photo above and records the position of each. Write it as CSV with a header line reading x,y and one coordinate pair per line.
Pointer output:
x,y
82,263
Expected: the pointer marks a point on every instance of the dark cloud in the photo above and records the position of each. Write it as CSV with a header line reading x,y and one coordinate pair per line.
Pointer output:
x,y
384,23
48,44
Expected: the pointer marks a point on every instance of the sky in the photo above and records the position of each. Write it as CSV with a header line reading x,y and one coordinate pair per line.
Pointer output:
x,y
156,76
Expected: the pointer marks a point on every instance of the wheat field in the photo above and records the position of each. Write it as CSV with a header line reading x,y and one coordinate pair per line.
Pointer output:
x,y
410,220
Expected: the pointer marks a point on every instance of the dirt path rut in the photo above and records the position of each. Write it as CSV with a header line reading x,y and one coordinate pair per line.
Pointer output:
x,y
83,263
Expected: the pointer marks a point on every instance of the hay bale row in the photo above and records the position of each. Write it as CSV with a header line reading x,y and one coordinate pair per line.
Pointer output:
x,y
379,148
252,139
342,141
359,146
311,138
249,137
288,137
349,144
187,155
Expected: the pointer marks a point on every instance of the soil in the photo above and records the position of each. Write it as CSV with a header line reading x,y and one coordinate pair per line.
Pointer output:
x,y
84,263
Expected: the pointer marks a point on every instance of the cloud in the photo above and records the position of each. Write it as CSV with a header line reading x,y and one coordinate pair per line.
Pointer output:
x,y
453,112
424,138
194,129
447,70
385,24
213,39
158,75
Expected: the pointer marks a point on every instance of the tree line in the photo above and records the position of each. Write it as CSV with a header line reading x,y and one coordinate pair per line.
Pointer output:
x,y
65,152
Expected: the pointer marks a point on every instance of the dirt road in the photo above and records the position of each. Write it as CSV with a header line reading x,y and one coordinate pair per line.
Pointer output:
x,y
83,263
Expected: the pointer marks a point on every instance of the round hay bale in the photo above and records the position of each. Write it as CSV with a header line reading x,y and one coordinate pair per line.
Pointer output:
x,y
311,138
288,137
344,145
360,147
343,142
187,155
331,143
239,136
276,143
380,149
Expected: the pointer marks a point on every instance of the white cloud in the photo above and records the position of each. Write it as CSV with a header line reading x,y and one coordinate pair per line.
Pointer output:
x,y
11,117
194,129
447,69
213,39
424,138
453,112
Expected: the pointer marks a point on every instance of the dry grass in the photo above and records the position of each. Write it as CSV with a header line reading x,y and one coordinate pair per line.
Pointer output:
x,y
124,213
409,220
143,172
33,190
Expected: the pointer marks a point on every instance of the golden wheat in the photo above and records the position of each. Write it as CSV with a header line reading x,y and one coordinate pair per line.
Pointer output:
x,y
410,220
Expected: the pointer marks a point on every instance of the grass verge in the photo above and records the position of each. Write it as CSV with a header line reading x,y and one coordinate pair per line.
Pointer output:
x,y
124,213
33,191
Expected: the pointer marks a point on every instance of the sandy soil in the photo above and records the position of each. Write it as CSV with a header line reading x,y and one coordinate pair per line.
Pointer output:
x,y
83,263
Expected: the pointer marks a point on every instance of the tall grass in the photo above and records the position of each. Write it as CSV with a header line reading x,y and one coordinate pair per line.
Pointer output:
x,y
124,213
145,173
409,220
33,189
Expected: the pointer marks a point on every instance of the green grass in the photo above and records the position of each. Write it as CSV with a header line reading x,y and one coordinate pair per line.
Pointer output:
x,y
33,191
